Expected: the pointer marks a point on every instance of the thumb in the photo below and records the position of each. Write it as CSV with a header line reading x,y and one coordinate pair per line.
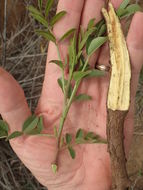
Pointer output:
x,y
13,106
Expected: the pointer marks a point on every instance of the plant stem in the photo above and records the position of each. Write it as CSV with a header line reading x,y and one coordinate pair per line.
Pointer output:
x,y
115,138
67,102
46,135
67,106
62,70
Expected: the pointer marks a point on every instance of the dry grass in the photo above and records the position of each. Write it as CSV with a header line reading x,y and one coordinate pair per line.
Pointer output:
x,y
25,59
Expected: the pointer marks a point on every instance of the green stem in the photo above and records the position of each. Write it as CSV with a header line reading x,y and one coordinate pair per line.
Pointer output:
x,y
67,106
46,135
62,70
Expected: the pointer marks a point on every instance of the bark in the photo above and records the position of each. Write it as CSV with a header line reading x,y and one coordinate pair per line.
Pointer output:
x,y
115,138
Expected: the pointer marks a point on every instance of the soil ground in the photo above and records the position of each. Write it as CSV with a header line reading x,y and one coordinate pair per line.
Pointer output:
x,y
25,59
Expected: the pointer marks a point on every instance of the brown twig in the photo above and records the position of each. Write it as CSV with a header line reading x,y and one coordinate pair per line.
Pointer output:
x,y
115,138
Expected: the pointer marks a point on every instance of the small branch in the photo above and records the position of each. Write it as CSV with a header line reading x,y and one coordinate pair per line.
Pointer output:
x,y
115,138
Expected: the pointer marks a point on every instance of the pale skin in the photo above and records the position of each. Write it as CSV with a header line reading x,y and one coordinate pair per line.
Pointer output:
x,y
91,168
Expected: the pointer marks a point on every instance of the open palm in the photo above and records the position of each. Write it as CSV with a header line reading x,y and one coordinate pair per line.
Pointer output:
x,y
91,167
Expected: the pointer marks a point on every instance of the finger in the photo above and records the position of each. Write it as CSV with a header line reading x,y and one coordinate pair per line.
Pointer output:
x,y
92,9
70,20
135,46
13,106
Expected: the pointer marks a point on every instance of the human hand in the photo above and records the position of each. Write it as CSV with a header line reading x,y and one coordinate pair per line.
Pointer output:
x,y
91,167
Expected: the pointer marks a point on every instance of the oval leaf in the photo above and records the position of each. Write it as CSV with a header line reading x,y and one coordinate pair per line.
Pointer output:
x,y
30,124
91,136
46,34
14,135
80,74
95,44
67,34
133,8
4,126
48,6
40,125
57,17
91,23
68,138
72,152
79,134
121,13
60,84
124,4
85,38
96,73
82,97
102,30
130,10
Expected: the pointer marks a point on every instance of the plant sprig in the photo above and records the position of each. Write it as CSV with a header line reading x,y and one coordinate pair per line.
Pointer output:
x,y
90,40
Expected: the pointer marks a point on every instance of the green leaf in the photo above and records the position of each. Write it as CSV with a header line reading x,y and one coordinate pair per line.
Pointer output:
x,y
102,30
82,97
4,126
95,44
85,37
48,6
121,13
133,8
91,23
68,138
57,62
32,127
57,17
54,168
72,54
124,4
96,73
46,34
61,84
91,136
40,2
3,129
71,151
78,75
30,124
34,11
70,91
14,135
67,34
89,40
80,134
40,125
40,19
99,24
